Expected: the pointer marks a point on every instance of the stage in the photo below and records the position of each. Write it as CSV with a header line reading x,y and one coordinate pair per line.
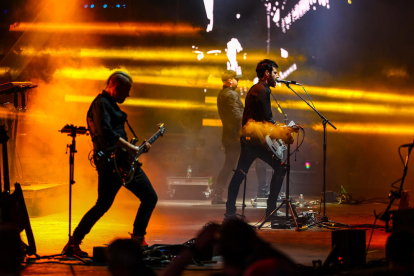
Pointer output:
x,y
176,221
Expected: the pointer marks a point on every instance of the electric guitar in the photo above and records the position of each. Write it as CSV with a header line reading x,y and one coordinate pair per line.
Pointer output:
x,y
276,144
273,137
125,164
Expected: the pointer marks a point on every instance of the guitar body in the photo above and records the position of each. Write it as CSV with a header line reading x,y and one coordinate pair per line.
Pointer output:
x,y
276,140
125,164
273,137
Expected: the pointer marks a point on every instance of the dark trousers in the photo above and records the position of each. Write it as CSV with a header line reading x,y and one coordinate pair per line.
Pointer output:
x,y
261,174
232,152
109,184
247,156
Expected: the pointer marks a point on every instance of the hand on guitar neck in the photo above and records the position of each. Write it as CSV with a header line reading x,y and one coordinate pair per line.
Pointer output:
x,y
147,145
130,148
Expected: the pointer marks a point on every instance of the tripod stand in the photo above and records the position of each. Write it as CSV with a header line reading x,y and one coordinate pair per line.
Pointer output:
x,y
396,194
286,201
72,131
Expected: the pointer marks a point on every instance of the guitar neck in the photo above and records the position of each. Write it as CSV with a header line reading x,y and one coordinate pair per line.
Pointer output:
x,y
150,141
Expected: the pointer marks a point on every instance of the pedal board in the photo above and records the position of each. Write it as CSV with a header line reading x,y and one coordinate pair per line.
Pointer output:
x,y
259,202
283,223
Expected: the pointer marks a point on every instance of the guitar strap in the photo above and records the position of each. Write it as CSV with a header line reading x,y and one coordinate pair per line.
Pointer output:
x,y
130,128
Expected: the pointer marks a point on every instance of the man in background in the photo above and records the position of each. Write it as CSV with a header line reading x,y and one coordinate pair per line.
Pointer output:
x,y
230,108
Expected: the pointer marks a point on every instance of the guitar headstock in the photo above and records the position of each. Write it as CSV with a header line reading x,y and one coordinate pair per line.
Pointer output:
x,y
161,127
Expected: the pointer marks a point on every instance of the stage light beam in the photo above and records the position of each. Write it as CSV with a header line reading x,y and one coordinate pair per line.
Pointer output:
x,y
122,28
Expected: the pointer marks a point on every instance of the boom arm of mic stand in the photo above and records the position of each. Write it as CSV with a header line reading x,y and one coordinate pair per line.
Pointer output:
x,y
314,109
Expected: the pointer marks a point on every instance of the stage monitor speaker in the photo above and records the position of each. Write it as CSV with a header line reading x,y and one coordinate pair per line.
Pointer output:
x,y
402,220
189,187
349,248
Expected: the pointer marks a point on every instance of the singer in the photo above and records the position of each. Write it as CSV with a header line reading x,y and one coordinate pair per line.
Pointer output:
x,y
257,108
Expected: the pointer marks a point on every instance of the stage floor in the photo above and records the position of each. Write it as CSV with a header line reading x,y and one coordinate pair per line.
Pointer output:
x,y
176,221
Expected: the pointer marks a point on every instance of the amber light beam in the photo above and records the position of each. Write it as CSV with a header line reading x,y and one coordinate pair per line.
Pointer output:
x,y
124,28
155,103
348,128
371,128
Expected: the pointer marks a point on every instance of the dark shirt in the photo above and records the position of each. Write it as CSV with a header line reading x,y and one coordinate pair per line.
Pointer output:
x,y
257,104
106,123
230,108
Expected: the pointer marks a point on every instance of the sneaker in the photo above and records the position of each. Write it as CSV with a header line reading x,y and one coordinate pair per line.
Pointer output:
x,y
233,216
263,193
217,200
140,239
75,247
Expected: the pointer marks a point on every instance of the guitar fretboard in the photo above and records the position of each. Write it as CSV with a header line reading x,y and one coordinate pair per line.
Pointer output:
x,y
150,141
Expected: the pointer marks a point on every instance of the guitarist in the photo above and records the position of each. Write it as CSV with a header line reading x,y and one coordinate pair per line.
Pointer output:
x,y
257,109
106,125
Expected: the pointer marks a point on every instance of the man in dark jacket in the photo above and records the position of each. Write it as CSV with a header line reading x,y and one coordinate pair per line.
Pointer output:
x,y
230,109
257,109
106,125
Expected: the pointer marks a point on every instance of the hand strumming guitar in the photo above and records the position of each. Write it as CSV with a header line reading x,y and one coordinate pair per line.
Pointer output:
x,y
130,148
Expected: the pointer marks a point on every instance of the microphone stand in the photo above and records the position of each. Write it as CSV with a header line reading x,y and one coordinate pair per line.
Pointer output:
x,y
286,201
325,121
395,194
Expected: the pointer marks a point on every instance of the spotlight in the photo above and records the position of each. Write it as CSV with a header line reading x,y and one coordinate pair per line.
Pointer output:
x,y
105,6
118,6
124,5
5,11
85,6
238,15
92,6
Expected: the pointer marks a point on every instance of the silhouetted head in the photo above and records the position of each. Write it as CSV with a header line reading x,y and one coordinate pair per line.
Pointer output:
x,y
237,241
125,258
400,249
118,86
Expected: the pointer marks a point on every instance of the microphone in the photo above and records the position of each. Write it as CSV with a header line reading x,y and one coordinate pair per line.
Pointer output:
x,y
407,145
287,82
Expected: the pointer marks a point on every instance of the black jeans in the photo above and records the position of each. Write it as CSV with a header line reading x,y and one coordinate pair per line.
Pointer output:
x,y
261,174
109,184
232,152
247,156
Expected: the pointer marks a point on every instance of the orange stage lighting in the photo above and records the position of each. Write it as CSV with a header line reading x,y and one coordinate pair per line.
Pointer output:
x,y
122,28
351,108
156,103
172,76
339,107
354,94
212,122
371,128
